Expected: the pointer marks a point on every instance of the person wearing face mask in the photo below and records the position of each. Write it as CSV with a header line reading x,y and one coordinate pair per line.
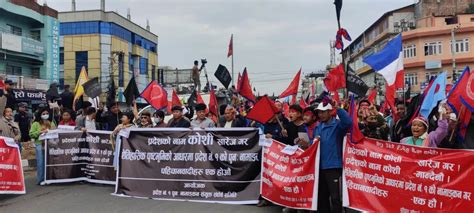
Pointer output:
x,y
159,119
8,128
421,137
41,125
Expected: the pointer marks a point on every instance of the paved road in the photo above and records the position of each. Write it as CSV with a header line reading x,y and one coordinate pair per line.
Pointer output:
x,y
84,197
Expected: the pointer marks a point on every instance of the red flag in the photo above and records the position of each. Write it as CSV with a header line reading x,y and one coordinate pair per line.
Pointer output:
x,y
286,109
454,96
467,95
335,79
390,98
400,80
213,107
336,96
356,134
175,100
231,46
293,87
303,103
372,94
263,111
155,95
199,99
239,80
293,100
245,89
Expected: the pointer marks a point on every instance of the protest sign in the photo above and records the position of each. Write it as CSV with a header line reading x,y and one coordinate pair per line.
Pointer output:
x,y
291,180
381,176
11,170
79,156
212,165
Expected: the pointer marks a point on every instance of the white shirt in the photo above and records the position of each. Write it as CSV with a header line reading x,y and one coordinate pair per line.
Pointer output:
x,y
228,124
90,124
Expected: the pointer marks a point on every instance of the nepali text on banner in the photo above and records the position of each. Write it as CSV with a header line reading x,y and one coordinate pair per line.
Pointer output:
x,y
212,165
79,156
11,171
381,176
291,179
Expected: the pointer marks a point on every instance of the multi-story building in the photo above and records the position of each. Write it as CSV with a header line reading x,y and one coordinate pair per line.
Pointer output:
x,y
29,47
427,29
107,44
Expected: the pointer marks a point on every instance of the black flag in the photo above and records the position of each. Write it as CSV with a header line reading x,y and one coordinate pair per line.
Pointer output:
x,y
408,92
223,75
111,93
355,84
192,99
338,4
131,92
92,87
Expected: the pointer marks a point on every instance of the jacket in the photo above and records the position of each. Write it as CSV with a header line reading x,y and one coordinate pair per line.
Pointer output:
x,y
35,131
206,123
433,138
8,128
237,122
331,135
182,122
81,123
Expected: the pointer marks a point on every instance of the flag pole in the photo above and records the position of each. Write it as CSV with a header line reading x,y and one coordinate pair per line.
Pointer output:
x,y
232,37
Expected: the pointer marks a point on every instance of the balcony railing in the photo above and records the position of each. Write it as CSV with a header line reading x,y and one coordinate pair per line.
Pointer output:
x,y
23,44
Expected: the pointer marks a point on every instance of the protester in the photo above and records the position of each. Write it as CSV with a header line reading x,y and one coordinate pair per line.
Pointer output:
x,y
451,140
88,122
145,120
42,124
159,119
81,113
295,126
310,119
8,128
195,75
373,124
273,129
67,97
23,119
110,118
421,137
178,119
67,118
401,128
201,120
126,122
331,132
230,119
11,102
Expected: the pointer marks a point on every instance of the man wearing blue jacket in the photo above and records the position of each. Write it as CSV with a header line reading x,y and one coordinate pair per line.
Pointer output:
x,y
331,132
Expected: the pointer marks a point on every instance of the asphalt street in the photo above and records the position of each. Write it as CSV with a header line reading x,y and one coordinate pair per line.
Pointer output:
x,y
86,197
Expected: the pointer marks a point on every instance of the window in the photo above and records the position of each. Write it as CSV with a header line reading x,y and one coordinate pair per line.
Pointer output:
x,y
120,69
461,46
409,51
81,61
433,48
143,66
36,35
153,72
61,55
14,30
35,72
411,79
431,75
13,70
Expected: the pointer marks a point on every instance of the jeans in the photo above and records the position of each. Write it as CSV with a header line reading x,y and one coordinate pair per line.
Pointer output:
x,y
39,163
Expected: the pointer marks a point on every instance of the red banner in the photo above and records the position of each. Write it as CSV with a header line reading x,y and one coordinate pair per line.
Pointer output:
x,y
11,172
288,179
382,176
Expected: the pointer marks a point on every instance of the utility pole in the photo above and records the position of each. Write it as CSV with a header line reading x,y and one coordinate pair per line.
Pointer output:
x,y
453,51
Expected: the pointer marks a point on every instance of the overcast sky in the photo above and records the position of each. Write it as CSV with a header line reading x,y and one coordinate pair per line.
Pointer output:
x,y
272,38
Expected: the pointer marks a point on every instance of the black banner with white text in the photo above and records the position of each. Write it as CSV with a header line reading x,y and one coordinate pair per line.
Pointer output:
x,y
213,165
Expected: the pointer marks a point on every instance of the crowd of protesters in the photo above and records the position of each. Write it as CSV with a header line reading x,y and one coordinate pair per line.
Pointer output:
x,y
323,118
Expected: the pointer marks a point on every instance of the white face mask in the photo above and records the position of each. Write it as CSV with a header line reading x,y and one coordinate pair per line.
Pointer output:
x,y
157,120
45,117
